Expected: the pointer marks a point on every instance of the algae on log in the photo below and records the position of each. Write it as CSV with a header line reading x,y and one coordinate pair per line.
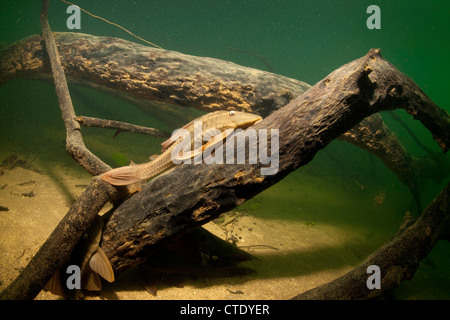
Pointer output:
x,y
154,74
188,196
199,82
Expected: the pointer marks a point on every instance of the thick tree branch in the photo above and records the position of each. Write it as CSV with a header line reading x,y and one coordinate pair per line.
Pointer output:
x,y
154,74
192,195
398,259
198,82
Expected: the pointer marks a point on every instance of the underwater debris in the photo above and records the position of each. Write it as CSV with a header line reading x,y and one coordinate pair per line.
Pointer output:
x,y
25,194
12,161
115,24
379,198
261,246
82,186
250,53
3,208
235,292
27,183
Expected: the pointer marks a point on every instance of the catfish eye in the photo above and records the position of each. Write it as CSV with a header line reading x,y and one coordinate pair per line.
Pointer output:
x,y
232,113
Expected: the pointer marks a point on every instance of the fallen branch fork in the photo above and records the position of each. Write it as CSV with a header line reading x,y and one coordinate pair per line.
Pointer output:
x,y
189,196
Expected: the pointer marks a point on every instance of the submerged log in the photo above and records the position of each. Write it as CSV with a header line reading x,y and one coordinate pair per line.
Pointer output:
x,y
199,82
397,260
188,196
154,74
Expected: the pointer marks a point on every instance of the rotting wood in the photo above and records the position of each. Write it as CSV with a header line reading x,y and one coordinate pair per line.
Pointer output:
x,y
149,73
167,204
199,82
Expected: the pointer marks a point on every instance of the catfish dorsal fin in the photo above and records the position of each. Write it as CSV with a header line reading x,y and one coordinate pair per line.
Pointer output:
x,y
215,140
166,144
100,264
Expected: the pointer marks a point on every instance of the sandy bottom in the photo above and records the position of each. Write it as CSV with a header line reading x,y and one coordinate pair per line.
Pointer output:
x,y
293,254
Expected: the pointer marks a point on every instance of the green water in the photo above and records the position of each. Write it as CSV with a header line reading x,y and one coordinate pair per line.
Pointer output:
x,y
305,40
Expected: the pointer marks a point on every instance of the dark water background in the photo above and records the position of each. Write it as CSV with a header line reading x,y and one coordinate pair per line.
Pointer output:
x,y
305,40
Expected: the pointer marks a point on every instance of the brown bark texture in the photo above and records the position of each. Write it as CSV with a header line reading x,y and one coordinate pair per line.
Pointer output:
x,y
190,195
154,74
199,82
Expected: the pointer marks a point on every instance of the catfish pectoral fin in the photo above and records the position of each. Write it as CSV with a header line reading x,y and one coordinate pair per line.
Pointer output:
x,y
54,285
100,264
91,281
122,176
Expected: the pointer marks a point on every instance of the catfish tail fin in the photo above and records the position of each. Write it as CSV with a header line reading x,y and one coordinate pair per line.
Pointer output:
x,y
122,176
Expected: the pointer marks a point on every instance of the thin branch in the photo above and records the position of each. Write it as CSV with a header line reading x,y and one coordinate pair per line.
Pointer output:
x,y
189,196
120,126
411,133
74,141
57,248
